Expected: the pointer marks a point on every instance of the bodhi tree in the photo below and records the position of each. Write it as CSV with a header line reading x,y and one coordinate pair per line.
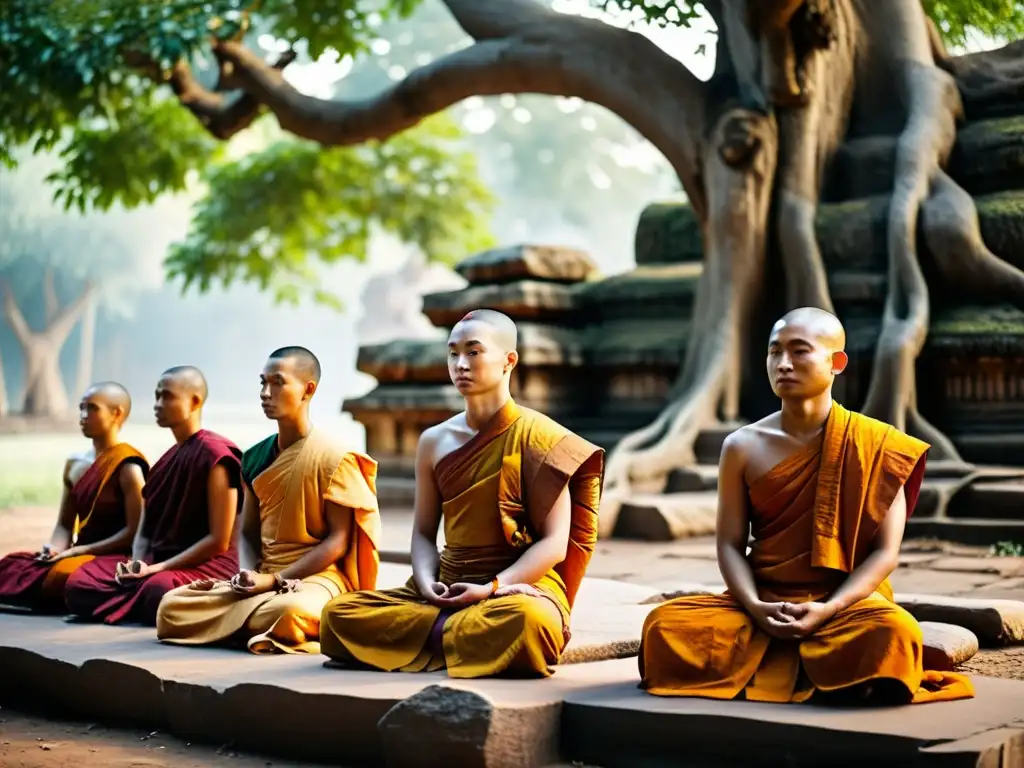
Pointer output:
x,y
793,79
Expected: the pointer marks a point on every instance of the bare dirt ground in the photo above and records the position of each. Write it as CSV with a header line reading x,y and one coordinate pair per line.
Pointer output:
x,y
27,741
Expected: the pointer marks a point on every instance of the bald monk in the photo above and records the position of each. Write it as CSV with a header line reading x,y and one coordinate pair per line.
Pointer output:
x,y
99,508
192,498
310,530
519,497
809,612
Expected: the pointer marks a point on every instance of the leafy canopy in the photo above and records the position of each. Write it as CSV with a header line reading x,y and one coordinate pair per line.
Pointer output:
x,y
84,81
956,19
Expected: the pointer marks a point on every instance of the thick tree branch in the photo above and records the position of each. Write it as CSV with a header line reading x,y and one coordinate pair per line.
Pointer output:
x,y
522,48
60,328
14,317
50,301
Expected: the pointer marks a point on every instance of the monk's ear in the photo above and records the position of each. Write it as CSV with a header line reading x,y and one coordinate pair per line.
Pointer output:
x,y
839,362
310,388
511,360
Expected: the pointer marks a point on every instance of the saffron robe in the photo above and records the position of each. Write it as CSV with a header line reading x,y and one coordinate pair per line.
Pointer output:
x,y
291,487
99,514
814,518
177,515
518,461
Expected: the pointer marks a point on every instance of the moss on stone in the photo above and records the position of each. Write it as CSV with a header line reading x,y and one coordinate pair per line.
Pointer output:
x,y
996,320
668,233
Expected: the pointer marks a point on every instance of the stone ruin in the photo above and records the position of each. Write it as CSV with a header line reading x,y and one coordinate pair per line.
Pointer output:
x,y
599,353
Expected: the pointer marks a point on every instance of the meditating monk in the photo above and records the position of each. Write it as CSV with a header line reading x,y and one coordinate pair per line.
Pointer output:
x,y
99,509
192,498
310,530
809,612
519,496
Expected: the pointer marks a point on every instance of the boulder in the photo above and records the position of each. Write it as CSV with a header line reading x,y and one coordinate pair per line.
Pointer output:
x,y
528,262
443,726
947,646
994,622
668,233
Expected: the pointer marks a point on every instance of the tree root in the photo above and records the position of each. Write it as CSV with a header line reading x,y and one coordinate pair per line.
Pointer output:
x,y
740,169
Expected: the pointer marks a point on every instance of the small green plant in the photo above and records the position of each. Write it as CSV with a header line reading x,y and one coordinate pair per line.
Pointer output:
x,y
1007,549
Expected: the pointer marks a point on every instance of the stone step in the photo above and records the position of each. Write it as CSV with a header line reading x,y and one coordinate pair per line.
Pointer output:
x,y
974,531
620,726
988,157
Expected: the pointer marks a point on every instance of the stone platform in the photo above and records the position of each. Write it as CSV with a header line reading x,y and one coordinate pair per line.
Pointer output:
x,y
291,706
590,710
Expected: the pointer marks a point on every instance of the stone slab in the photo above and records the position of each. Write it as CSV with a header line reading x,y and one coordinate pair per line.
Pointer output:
x,y
619,725
522,300
524,262
292,706
995,622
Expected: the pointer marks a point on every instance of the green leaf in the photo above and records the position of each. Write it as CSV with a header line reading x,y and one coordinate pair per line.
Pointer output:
x,y
275,217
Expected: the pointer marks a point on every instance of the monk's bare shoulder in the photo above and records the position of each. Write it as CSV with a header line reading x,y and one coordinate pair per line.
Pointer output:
x,y
751,438
441,439
77,464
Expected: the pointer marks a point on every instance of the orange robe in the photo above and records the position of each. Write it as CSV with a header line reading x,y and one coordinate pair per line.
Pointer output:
x,y
520,460
99,514
814,517
291,489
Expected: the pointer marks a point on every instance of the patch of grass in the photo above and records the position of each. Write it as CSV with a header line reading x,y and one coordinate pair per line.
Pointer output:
x,y
1007,549
31,463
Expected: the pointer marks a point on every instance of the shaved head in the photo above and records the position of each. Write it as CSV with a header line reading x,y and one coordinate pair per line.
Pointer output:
x,y
306,363
503,329
115,395
191,378
823,326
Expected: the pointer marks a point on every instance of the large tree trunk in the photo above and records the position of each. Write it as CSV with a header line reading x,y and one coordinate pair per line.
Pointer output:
x,y
44,392
794,79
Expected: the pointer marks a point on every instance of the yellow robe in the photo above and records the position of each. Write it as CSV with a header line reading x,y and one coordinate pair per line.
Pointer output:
x,y
291,494
814,519
519,462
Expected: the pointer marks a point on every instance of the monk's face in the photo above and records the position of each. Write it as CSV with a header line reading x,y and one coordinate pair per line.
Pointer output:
x,y
477,361
175,402
284,390
801,364
97,415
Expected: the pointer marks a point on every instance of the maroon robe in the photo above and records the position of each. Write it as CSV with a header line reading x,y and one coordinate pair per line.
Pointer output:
x,y
23,578
176,517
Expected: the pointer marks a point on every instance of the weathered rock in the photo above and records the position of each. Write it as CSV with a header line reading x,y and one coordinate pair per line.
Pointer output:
x,y
521,300
442,726
405,360
852,234
668,233
667,516
647,292
946,646
528,262
995,622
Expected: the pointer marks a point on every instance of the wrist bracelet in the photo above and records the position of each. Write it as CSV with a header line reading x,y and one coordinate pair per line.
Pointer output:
x,y
495,585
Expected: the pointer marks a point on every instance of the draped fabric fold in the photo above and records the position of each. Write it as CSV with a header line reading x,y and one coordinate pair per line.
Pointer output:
x,y
291,486
99,514
176,516
494,490
814,517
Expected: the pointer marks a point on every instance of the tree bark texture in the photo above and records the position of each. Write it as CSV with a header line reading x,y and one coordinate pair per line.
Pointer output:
x,y
794,80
